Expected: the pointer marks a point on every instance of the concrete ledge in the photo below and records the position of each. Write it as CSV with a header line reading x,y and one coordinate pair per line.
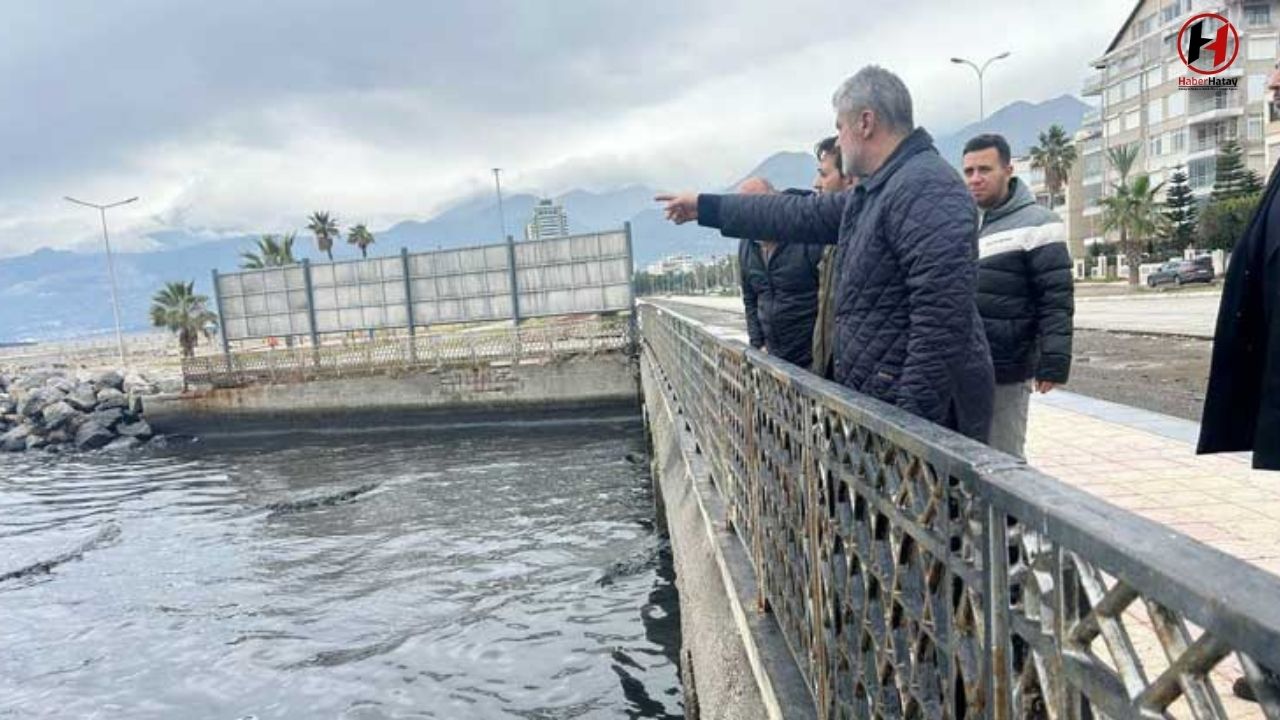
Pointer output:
x,y
736,663
584,381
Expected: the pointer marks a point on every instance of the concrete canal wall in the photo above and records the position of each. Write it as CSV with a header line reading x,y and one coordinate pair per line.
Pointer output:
x,y
521,389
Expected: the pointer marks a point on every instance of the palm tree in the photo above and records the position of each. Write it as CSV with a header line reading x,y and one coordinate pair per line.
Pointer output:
x,y
1133,209
325,229
361,238
1055,155
271,251
179,309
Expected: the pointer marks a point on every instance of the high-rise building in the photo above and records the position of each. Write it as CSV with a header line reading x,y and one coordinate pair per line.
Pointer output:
x,y
1140,82
549,221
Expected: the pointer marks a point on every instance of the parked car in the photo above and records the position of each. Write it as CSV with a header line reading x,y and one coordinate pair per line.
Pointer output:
x,y
1180,272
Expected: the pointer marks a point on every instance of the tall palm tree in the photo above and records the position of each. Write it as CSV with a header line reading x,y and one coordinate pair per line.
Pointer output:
x,y
1055,155
1132,210
325,228
270,251
179,309
361,238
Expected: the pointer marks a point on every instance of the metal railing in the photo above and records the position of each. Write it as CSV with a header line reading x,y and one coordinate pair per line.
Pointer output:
x,y
916,573
511,345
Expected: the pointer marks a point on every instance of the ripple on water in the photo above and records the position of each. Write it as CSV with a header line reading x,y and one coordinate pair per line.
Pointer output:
x,y
468,573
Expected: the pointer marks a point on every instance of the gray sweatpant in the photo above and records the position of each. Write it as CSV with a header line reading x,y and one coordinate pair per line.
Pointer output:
x,y
1009,418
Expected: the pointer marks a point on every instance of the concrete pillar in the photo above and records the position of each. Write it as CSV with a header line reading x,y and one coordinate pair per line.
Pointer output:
x,y
311,303
511,280
1078,269
1100,267
222,319
1219,261
408,303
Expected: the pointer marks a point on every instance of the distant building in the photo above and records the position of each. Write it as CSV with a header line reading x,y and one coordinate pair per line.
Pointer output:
x,y
1140,83
1034,178
549,221
675,264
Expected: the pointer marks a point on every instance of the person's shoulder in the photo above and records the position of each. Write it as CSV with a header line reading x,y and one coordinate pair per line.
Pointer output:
x,y
1036,215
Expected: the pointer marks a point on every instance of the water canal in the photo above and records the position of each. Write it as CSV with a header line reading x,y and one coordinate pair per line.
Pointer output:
x,y
479,571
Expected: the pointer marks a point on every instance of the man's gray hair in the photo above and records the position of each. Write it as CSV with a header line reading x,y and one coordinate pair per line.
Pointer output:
x,y
876,89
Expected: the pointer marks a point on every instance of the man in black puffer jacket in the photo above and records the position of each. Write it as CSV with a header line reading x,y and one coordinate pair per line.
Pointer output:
x,y
907,324
1025,288
779,291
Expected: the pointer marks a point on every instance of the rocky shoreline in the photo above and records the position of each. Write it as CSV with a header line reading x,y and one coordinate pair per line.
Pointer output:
x,y
59,411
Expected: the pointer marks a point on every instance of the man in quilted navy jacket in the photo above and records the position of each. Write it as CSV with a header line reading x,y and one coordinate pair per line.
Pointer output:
x,y
1025,288
907,324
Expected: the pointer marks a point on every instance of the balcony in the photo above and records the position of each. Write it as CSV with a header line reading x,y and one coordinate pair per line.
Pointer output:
x,y
1093,85
1208,112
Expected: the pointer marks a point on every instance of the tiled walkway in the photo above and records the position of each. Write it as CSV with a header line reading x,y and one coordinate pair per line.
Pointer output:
x,y
1146,463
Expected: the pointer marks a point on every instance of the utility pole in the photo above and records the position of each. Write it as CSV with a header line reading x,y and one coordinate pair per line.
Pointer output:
x,y
502,218
111,270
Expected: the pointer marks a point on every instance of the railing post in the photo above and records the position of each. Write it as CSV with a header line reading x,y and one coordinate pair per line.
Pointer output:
x,y
408,304
311,309
998,657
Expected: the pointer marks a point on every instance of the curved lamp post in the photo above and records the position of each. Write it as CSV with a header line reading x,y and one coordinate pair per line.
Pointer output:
x,y
982,109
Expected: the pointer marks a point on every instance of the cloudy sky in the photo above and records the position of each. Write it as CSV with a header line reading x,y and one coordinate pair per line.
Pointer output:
x,y
243,115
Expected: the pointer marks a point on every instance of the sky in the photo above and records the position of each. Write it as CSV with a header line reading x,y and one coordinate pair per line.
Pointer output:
x,y
243,116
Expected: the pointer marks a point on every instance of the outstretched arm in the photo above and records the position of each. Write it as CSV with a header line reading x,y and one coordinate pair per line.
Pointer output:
x,y
783,218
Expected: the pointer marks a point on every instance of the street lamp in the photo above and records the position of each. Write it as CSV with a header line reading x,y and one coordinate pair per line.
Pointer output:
x,y
982,109
502,218
111,270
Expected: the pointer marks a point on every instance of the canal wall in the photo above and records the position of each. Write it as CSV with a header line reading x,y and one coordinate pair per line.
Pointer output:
x,y
601,379
735,664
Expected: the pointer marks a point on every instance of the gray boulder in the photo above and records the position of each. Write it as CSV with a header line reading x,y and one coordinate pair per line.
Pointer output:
x,y
108,379
108,418
159,441
138,384
8,405
83,397
111,398
16,439
123,444
33,402
92,436
61,383
140,430
135,404
58,414
59,436
35,442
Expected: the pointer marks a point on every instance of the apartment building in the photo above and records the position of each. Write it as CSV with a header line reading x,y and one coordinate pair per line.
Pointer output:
x,y
549,221
1138,83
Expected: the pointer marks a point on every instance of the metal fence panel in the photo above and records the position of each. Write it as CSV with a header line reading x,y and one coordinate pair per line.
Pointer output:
x,y
578,274
916,573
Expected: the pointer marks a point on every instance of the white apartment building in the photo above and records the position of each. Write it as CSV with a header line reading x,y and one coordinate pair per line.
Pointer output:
x,y
549,221
1136,83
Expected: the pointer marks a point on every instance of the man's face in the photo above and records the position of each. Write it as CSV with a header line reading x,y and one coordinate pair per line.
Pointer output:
x,y
851,135
987,177
828,179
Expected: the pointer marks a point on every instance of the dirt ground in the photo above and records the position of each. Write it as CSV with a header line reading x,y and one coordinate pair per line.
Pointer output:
x,y
1161,373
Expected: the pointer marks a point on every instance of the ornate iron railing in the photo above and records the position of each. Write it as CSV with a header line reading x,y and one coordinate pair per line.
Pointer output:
x,y
916,573
423,351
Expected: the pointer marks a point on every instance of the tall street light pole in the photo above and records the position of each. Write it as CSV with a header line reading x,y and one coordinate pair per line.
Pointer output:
x,y
111,269
982,107
502,218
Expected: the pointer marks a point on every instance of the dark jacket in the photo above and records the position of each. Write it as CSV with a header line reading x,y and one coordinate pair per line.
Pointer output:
x,y
1242,405
1025,289
824,326
907,324
780,296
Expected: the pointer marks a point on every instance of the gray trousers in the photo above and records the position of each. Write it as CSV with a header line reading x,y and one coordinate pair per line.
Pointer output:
x,y
1009,418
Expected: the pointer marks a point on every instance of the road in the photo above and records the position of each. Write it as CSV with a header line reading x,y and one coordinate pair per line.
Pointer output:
x,y
1164,373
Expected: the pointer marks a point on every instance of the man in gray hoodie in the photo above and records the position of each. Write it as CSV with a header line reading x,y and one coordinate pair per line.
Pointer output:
x,y
1025,288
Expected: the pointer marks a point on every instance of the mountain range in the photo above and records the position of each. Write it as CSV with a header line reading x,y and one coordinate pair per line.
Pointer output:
x,y
50,294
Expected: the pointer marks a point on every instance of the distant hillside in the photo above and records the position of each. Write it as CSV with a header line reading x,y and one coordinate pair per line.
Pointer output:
x,y
50,294
1021,124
